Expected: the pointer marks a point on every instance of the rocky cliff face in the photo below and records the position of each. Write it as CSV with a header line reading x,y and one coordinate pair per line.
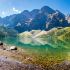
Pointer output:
x,y
37,19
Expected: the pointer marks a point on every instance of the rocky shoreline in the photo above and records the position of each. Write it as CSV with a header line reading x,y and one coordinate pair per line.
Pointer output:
x,y
15,58
9,64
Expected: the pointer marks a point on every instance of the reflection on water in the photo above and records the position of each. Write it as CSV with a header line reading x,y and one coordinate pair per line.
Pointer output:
x,y
43,47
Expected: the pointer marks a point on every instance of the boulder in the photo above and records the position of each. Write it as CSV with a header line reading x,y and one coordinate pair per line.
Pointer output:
x,y
2,46
1,43
13,48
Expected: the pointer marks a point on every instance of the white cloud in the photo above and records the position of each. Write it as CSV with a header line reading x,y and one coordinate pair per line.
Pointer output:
x,y
16,10
3,13
9,12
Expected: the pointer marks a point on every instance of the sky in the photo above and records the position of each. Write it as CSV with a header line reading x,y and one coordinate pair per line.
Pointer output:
x,y
9,7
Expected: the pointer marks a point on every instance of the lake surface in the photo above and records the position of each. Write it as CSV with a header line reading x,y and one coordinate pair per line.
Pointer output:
x,y
53,49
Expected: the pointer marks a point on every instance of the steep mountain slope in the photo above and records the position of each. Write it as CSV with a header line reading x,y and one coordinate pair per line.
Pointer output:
x,y
68,18
37,19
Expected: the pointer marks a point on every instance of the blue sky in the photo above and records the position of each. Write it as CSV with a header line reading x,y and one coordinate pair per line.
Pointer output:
x,y
8,7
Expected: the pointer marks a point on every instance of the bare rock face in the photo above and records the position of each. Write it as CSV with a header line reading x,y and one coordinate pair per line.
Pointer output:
x,y
8,64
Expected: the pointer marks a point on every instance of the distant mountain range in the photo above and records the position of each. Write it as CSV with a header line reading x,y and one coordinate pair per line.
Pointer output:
x,y
37,19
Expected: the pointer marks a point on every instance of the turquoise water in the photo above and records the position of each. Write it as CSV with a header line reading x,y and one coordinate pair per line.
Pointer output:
x,y
53,48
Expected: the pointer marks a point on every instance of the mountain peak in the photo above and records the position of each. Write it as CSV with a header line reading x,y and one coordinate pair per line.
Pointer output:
x,y
47,9
25,11
38,19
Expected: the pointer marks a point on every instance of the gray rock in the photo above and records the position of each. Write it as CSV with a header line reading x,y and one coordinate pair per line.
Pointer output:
x,y
1,43
2,46
13,48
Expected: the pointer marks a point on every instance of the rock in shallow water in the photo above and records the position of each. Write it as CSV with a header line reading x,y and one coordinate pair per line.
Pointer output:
x,y
13,48
2,45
